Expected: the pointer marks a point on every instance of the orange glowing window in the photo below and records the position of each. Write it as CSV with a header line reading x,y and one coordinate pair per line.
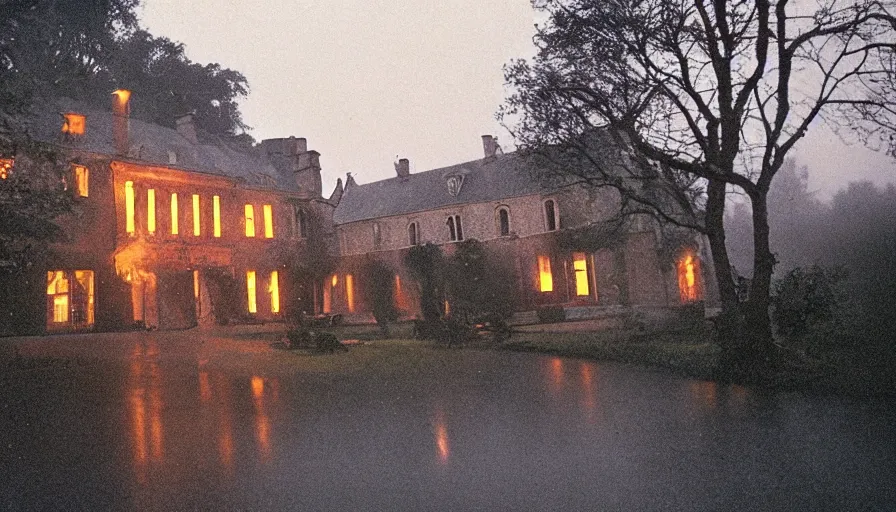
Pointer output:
x,y
196,284
174,227
274,290
5,168
268,221
250,220
545,278
82,180
129,206
350,292
216,213
250,291
151,210
197,213
688,283
580,266
74,124
57,293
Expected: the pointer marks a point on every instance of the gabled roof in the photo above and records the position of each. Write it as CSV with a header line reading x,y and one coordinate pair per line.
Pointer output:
x,y
151,143
486,180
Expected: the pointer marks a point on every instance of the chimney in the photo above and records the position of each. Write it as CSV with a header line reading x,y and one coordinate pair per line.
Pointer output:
x,y
121,112
490,146
403,168
187,128
307,172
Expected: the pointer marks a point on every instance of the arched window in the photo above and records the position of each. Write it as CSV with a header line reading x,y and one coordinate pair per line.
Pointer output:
x,y
301,222
413,234
455,230
551,216
503,221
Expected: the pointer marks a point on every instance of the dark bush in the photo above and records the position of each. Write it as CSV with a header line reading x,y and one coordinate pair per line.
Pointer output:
x,y
551,314
328,342
806,298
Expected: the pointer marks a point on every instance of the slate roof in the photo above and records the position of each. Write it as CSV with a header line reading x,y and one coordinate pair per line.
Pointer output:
x,y
485,180
151,143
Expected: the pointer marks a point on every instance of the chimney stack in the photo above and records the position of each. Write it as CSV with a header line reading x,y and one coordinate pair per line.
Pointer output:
x,y
121,113
187,128
403,168
489,146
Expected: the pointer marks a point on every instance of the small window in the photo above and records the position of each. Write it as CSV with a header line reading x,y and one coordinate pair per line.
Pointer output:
x,y
413,235
216,216
197,213
5,168
455,229
301,223
580,267
129,206
251,297
545,276
151,211
550,215
377,236
274,290
74,124
174,214
503,222
82,176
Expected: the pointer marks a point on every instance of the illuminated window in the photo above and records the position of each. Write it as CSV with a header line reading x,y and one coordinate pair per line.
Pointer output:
x,y
216,212
350,292
5,168
174,226
580,266
274,290
196,215
151,210
74,124
413,234
129,206
688,282
550,215
545,278
503,222
268,221
250,220
82,184
455,230
70,299
250,290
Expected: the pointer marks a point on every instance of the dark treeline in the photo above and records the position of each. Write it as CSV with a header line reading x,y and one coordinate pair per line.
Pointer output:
x,y
85,49
855,232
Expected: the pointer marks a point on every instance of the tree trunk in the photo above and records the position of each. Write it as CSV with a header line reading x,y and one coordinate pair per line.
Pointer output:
x,y
757,314
715,231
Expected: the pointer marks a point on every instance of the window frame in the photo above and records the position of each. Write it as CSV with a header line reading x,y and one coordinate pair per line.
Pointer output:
x,y
455,228
551,222
501,223
413,238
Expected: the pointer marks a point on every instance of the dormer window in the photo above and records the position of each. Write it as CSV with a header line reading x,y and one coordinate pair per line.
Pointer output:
x,y
5,168
74,124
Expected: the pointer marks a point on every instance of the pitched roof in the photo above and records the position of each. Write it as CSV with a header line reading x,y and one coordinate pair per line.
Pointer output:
x,y
152,143
486,180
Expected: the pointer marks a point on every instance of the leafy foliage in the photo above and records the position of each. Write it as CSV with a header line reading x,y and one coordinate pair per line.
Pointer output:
x,y
479,287
379,292
426,265
805,298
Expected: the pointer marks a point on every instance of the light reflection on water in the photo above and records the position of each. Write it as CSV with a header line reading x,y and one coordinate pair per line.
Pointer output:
x,y
440,431
145,406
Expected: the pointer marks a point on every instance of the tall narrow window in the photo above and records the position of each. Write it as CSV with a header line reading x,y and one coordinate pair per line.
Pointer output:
x,y
377,236
129,206
82,175
580,266
250,291
688,282
545,277
412,234
197,215
58,297
503,222
174,226
455,230
274,290
250,220
301,223
550,215
216,213
350,292
268,221
151,211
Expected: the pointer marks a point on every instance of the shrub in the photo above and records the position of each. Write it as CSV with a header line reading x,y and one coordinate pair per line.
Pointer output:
x,y
806,298
328,342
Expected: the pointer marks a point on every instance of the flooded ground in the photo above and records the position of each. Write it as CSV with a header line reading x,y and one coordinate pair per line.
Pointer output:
x,y
172,421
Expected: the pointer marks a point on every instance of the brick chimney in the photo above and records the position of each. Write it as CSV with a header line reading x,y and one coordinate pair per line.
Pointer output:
x,y
489,146
121,113
187,128
403,168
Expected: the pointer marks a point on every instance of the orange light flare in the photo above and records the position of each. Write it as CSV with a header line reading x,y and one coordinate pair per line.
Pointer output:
x,y
443,449
688,269
120,105
5,168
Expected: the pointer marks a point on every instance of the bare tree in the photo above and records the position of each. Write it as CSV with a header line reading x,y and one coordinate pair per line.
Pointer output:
x,y
714,95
